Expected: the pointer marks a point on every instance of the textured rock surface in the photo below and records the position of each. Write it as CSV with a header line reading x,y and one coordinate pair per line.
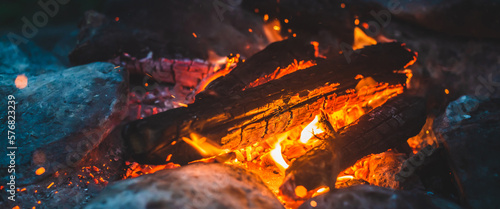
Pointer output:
x,y
196,186
26,59
62,116
470,131
365,196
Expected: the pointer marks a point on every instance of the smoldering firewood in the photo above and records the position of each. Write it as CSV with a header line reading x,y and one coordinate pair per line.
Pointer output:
x,y
279,54
414,162
383,128
257,113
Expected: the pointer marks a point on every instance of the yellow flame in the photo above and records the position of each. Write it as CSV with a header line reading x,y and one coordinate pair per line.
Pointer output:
x,y
203,146
310,130
278,157
361,39
321,190
345,178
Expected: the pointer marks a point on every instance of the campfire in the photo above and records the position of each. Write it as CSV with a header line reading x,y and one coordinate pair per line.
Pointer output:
x,y
282,108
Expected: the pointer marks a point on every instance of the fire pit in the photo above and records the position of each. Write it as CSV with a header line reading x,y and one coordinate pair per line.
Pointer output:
x,y
252,104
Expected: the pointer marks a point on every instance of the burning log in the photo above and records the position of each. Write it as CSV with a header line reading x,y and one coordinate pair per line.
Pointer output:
x,y
257,113
383,128
276,55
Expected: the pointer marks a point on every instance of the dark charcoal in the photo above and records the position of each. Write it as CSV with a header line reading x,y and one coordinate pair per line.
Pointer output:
x,y
195,186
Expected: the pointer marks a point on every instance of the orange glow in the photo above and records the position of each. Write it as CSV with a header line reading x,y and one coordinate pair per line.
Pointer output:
x,y
256,10
361,39
300,191
409,75
365,25
356,22
278,73
168,157
344,178
16,207
272,30
40,171
50,185
136,170
286,20
250,30
294,35
21,81
342,5
446,91
316,48
230,64
313,203
266,17
320,191
194,34
117,19
203,146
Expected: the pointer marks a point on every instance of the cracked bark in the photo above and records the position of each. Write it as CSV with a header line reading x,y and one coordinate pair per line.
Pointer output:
x,y
240,119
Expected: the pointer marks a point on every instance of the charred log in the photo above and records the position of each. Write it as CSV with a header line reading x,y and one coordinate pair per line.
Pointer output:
x,y
383,128
278,54
248,116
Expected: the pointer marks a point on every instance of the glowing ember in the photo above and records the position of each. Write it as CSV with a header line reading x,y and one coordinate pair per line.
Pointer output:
x,y
50,185
40,171
320,191
278,73
230,64
21,81
300,191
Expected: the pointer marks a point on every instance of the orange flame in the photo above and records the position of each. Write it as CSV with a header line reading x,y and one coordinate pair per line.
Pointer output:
x,y
203,146
361,39
278,73
230,64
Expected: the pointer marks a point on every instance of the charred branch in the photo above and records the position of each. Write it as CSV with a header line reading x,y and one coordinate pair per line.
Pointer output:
x,y
249,116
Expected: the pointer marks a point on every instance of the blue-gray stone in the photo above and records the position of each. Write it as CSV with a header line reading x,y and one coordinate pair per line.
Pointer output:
x,y
61,116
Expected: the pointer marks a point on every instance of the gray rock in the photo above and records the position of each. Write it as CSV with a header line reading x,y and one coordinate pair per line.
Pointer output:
x,y
470,131
195,186
366,196
61,116
26,59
